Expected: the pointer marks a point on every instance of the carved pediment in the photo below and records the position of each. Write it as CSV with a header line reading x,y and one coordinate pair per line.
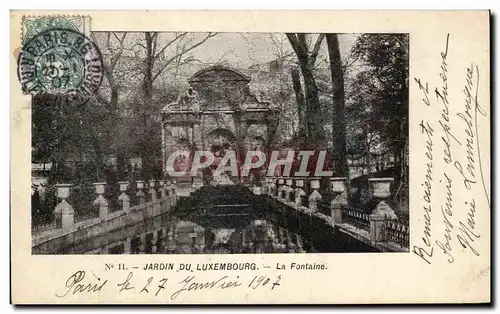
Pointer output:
x,y
218,74
218,89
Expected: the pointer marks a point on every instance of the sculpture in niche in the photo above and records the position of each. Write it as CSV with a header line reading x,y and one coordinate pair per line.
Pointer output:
x,y
181,162
220,148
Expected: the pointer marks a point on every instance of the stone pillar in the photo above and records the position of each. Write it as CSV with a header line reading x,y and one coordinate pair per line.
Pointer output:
x,y
64,212
314,197
168,187
250,181
163,190
257,190
281,185
262,176
289,243
142,244
265,186
381,188
170,236
168,193
140,193
163,147
281,235
127,245
174,191
272,186
154,240
100,200
197,135
170,239
339,188
199,240
300,245
256,187
299,191
152,191
163,241
288,189
377,232
197,180
124,199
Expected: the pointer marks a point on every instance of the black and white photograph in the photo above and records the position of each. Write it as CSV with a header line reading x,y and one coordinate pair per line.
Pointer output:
x,y
217,143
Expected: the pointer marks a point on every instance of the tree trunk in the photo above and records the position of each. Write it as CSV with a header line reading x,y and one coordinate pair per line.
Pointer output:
x,y
315,134
301,103
148,98
148,70
339,157
307,58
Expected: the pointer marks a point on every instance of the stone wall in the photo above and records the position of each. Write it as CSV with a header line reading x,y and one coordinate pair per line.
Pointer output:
x,y
141,219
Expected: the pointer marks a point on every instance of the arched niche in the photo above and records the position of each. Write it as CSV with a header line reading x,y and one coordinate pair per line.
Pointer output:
x,y
256,137
221,138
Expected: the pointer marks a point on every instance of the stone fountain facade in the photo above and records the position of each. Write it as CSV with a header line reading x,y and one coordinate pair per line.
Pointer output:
x,y
217,110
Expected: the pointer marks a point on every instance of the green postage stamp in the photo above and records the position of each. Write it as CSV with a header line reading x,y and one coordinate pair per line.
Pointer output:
x,y
34,25
59,59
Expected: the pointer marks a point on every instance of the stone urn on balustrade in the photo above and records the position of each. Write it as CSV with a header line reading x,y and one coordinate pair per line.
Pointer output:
x,y
338,185
381,189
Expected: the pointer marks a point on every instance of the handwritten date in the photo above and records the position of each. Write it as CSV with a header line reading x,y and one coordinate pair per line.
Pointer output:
x,y
80,283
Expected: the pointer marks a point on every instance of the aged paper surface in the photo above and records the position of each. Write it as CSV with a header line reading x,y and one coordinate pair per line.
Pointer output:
x,y
439,253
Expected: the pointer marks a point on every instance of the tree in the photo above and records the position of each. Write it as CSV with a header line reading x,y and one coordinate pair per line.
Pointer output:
x,y
109,95
306,59
115,47
156,62
380,93
339,154
65,131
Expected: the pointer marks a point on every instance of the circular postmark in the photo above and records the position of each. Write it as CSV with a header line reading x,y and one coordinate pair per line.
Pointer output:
x,y
61,62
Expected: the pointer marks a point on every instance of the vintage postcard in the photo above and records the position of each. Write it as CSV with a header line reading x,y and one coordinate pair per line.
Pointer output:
x,y
250,157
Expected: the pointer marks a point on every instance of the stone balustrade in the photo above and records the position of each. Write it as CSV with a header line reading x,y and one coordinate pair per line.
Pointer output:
x,y
95,234
152,198
64,213
380,226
